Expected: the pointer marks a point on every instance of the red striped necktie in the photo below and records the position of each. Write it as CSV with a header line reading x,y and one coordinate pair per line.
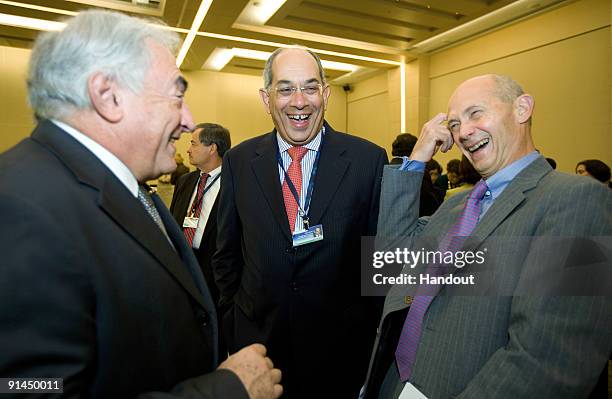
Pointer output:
x,y
295,174
196,209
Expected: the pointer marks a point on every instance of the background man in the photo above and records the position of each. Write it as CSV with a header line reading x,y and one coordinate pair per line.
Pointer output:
x,y
532,346
97,283
196,196
303,301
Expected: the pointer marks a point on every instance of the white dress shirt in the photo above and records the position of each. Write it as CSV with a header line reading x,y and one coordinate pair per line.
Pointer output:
x,y
208,201
118,168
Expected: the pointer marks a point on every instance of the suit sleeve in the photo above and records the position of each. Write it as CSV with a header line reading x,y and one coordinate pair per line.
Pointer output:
x,y
47,327
221,384
227,262
47,310
381,161
557,345
399,204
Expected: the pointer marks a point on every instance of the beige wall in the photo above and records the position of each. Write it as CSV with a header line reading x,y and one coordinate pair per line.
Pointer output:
x,y
562,58
16,119
231,100
369,110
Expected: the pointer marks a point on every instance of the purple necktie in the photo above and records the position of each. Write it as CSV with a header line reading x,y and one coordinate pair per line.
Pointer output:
x,y
405,354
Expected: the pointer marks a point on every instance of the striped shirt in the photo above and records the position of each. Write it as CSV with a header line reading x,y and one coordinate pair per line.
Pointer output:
x,y
307,165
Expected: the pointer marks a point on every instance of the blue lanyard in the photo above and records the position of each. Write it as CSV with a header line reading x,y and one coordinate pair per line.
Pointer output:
x,y
196,200
315,166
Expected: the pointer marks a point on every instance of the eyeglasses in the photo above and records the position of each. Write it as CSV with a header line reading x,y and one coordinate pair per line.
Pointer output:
x,y
311,89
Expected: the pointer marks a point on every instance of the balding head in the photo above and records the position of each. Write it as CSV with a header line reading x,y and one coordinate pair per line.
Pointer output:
x,y
489,117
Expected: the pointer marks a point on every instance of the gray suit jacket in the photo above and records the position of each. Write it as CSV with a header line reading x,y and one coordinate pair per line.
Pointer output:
x,y
500,346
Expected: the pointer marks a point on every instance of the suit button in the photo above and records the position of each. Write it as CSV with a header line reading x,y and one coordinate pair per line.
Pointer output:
x,y
293,286
290,250
204,319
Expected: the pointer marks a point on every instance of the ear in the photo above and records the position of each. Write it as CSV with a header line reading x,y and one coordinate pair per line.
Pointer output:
x,y
213,148
326,93
265,98
105,97
523,108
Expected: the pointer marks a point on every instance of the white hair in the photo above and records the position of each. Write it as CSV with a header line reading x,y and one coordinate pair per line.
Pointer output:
x,y
93,41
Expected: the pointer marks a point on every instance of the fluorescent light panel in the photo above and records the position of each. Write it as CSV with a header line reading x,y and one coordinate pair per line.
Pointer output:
x,y
220,57
30,23
195,27
36,7
264,9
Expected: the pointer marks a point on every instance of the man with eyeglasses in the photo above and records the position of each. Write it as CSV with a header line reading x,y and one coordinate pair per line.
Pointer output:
x,y
293,206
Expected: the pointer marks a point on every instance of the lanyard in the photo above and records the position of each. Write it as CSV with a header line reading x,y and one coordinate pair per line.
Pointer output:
x,y
197,201
303,212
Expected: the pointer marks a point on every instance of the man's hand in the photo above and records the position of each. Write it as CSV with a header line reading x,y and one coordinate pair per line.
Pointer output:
x,y
256,371
434,135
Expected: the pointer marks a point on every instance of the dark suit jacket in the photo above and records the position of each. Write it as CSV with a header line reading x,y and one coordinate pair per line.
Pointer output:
x,y
90,289
517,341
304,303
183,191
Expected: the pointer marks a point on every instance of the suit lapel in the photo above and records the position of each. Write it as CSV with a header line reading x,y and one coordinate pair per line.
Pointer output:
x,y
127,212
115,200
186,192
332,168
510,199
265,167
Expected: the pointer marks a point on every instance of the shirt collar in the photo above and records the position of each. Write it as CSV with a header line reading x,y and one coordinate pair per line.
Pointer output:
x,y
500,180
213,173
118,168
313,145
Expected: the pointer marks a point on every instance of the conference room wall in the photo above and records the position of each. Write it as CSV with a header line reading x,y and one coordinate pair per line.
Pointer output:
x,y
562,58
16,118
231,100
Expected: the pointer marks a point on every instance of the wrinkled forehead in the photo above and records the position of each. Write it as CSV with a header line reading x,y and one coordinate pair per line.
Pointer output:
x,y
473,92
295,66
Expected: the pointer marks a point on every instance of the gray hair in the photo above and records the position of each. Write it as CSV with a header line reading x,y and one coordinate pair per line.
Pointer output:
x,y
214,133
267,73
112,43
506,88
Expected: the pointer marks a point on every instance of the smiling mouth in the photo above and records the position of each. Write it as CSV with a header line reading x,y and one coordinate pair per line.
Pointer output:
x,y
299,118
482,143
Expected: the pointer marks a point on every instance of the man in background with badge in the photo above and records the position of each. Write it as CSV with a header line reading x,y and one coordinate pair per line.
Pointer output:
x,y
196,199
293,207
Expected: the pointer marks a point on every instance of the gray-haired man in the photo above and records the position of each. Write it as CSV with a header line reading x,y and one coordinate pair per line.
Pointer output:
x,y
97,284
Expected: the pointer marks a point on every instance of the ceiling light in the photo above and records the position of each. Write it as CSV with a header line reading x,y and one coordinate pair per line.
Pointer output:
x,y
258,12
220,57
195,27
36,7
500,17
30,23
276,45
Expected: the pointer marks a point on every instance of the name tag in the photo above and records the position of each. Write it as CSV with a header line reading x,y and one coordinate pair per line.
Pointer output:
x,y
313,234
410,392
190,222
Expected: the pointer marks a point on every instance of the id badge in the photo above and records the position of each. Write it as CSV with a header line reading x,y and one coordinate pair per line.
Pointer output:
x,y
313,234
190,222
410,392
